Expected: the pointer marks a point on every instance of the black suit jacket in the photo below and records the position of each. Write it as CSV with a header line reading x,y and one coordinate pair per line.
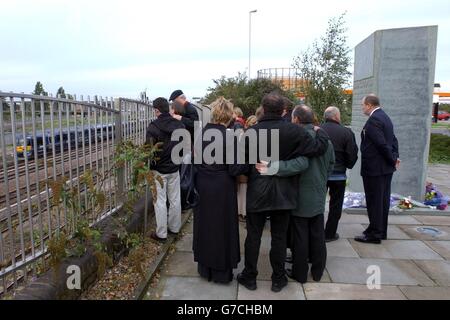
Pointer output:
x,y
379,146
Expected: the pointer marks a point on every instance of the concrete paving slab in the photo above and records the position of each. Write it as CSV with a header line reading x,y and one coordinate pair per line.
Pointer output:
x,y
426,293
353,218
396,249
350,230
393,272
341,248
403,219
188,288
439,271
395,232
434,220
414,232
185,243
181,263
293,291
189,227
338,291
441,247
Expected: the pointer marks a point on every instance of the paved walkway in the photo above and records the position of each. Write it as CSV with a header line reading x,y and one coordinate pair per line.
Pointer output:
x,y
413,266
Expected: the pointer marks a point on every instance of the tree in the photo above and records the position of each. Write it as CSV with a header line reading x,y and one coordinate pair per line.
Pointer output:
x,y
39,89
245,94
324,67
61,93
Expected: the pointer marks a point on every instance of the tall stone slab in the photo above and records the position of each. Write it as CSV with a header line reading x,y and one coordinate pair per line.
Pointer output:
x,y
398,66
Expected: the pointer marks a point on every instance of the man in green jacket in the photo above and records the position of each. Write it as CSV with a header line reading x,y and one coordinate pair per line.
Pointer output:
x,y
307,221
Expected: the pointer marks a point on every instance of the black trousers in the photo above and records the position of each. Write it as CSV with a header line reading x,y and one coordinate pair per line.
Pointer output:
x,y
378,196
337,192
279,222
308,243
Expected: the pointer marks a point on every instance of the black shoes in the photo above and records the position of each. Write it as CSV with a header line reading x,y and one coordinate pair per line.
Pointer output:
x,y
249,284
278,286
336,237
367,239
173,233
154,236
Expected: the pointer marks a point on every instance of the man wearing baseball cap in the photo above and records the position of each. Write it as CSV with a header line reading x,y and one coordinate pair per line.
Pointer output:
x,y
190,114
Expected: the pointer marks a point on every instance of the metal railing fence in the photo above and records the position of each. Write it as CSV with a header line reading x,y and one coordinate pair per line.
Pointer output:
x,y
44,139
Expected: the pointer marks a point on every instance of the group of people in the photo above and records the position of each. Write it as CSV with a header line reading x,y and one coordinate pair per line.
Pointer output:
x,y
311,161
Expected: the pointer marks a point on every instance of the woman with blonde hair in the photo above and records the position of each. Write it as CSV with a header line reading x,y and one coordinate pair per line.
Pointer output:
x,y
216,226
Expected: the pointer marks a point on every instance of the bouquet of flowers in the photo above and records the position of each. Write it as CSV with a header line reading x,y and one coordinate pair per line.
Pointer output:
x,y
405,204
435,198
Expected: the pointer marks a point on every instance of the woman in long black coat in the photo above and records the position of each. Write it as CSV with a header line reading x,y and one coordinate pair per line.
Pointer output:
x,y
216,224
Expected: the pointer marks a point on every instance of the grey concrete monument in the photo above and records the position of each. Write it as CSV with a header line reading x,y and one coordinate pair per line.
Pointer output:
x,y
398,66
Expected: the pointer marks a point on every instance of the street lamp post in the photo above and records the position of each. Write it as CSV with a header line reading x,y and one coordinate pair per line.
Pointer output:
x,y
250,41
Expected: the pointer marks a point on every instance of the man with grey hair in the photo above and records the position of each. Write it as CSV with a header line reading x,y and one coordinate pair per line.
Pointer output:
x,y
346,154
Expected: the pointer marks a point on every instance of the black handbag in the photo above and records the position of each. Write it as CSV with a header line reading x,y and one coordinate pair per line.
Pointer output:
x,y
189,195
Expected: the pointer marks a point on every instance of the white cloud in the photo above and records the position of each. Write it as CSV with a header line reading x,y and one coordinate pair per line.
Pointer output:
x,y
121,47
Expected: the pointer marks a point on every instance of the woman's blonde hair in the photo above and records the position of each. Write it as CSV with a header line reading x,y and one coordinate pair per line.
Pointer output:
x,y
238,112
251,121
221,111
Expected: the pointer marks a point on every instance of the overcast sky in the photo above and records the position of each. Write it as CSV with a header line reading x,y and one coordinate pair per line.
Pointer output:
x,y
120,48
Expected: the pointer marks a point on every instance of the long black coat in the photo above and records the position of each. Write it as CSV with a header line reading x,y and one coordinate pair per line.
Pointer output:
x,y
216,225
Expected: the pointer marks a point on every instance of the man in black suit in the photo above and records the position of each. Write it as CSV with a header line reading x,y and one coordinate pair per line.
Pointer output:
x,y
379,160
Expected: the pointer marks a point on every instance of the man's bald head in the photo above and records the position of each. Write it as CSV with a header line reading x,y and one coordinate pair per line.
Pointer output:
x,y
302,114
332,113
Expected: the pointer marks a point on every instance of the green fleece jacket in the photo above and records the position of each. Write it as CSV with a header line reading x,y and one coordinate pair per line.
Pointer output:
x,y
314,174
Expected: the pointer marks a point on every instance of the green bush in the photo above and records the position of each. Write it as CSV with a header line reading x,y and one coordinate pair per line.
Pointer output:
x,y
245,94
439,149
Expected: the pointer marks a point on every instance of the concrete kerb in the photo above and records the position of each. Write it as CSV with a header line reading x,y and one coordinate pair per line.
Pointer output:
x,y
141,290
406,212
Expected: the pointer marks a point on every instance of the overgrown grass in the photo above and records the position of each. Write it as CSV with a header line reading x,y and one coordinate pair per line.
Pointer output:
x,y
439,149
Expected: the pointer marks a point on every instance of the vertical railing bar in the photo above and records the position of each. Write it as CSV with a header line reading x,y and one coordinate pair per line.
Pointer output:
x,y
36,174
27,181
62,155
47,194
52,132
8,202
69,149
118,172
96,141
77,155
5,170
91,130
90,134
102,142
83,148
108,151
18,198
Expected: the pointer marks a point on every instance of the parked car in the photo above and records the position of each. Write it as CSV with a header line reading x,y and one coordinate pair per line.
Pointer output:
x,y
443,115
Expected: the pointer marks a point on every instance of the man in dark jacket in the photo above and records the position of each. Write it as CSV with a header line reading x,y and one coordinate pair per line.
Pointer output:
x,y
190,114
274,196
160,130
379,160
346,154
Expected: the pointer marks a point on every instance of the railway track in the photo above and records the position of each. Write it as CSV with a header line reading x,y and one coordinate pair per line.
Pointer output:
x,y
57,163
